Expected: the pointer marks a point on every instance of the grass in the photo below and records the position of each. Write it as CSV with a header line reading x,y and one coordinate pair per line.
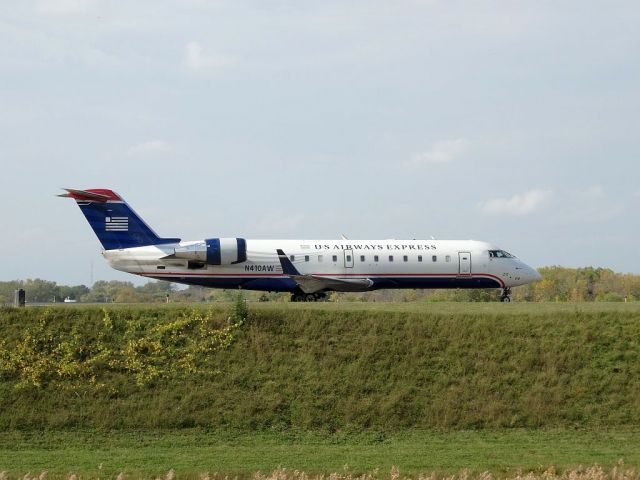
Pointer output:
x,y
192,452
537,309
318,367
426,387
424,307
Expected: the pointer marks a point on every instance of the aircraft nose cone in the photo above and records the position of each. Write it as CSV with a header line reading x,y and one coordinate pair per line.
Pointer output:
x,y
535,275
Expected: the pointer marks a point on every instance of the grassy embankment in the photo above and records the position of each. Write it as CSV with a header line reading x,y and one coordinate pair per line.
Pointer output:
x,y
425,387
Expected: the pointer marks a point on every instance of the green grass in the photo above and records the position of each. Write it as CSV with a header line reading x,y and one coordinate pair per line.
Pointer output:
x,y
324,367
191,452
423,386
538,309
490,308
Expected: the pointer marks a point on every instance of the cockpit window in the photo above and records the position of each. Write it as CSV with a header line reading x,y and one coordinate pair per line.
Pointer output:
x,y
499,254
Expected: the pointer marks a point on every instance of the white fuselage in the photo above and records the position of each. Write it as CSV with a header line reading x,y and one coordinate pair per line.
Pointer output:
x,y
385,263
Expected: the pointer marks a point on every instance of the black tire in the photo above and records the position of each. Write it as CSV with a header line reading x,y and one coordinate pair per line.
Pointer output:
x,y
505,299
310,297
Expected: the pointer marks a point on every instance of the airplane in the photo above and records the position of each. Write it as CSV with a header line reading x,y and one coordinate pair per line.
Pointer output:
x,y
308,269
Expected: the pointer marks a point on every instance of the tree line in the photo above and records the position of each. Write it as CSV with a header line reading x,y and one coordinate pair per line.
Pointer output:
x,y
559,284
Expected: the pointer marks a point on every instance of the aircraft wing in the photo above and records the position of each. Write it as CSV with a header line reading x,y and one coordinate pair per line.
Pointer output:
x,y
314,283
317,283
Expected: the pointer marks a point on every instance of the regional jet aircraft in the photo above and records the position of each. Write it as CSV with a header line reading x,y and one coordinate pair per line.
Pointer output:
x,y
308,269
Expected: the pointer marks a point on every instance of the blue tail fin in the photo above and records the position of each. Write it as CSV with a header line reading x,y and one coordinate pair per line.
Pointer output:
x,y
113,220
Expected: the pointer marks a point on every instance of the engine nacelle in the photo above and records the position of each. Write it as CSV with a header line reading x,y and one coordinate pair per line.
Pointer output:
x,y
215,251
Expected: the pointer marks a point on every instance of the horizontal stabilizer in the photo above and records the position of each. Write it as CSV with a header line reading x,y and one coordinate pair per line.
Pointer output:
x,y
85,195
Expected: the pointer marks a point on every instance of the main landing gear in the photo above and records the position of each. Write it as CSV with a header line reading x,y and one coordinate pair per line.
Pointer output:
x,y
505,296
308,297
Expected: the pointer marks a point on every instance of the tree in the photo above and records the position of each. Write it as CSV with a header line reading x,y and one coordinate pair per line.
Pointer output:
x,y
103,291
38,290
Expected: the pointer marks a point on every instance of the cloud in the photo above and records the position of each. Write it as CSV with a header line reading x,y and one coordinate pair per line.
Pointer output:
x,y
196,59
520,204
152,147
444,151
63,7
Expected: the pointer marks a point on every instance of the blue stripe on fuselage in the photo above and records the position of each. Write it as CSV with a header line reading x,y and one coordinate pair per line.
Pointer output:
x,y
286,284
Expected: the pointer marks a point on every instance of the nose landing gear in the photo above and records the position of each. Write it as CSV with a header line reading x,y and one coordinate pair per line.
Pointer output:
x,y
505,296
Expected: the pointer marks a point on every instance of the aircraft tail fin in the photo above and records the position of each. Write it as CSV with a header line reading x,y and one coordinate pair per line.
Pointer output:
x,y
114,222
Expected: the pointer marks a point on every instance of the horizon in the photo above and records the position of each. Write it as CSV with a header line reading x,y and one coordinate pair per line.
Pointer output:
x,y
138,281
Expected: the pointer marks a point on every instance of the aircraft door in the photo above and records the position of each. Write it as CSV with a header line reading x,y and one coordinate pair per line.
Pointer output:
x,y
348,258
465,263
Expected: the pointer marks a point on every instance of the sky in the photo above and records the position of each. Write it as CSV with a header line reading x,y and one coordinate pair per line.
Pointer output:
x,y
513,122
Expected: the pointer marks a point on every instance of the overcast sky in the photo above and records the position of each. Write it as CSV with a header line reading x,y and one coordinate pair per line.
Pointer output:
x,y
514,122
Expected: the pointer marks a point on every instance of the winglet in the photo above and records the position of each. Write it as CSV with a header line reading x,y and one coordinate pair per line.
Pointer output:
x,y
287,266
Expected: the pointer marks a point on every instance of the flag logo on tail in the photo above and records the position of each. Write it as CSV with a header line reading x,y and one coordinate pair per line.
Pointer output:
x,y
116,224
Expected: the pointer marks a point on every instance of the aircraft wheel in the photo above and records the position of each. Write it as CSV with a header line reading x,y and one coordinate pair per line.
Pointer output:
x,y
310,297
296,297
505,296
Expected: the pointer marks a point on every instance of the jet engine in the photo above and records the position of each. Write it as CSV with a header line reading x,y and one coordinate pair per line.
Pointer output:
x,y
214,251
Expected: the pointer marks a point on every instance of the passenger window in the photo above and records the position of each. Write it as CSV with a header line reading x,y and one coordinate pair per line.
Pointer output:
x,y
391,258
319,258
348,258
293,258
335,258
419,258
434,258
306,258
405,258
375,258
362,258
447,259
